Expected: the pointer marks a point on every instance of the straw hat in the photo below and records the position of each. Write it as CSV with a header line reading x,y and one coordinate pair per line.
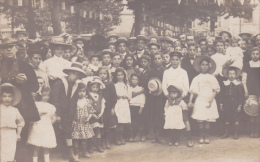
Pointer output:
x,y
93,79
75,66
141,37
155,86
121,40
17,93
225,71
172,88
8,41
222,32
251,106
106,51
153,44
197,61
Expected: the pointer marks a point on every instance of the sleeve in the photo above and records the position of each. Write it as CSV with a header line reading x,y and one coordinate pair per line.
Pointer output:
x,y
32,84
185,84
55,95
113,95
194,87
19,119
165,84
222,95
241,94
142,100
215,84
129,92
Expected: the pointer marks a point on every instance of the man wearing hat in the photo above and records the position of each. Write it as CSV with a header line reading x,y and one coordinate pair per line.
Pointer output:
x,y
190,38
64,98
121,46
21,75
245,36
132,45
112,38
22,37
107,55
165,44
111,46
154,48
55,65
140,43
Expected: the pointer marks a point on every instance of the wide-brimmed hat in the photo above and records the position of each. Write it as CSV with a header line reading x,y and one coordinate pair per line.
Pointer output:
x,y
166,39
132,39
197,61
153,44
93,79
225,71
75,66
201,40
141,37
222,32
60,41
121,40
79,39
95,55
110,43
112,35
245,35
17,93
155,86
106,51
172,88
251,106
21,32
8,41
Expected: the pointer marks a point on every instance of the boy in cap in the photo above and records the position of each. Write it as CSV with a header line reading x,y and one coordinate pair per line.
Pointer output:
x,y
121,46
178,77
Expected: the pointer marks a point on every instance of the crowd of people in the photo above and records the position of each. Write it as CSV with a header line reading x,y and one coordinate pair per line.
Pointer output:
x,y
89,94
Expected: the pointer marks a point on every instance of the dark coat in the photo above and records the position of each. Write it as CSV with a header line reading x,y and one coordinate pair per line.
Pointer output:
x,y
66,106
138,60
186,65
27,105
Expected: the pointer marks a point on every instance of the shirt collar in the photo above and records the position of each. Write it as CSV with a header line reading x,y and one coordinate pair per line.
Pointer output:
x,y
175,68
254,64
227,82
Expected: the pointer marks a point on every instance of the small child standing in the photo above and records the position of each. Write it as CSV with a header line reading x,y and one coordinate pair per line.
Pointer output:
x,y
231,100
82,130
42,133
136,107
94,86
173,114
205,86
122,108
12,121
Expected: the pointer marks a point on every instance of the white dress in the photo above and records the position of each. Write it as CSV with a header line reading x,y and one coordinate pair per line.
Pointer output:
x,y
122,108
42,132
204,85
11,119
173,116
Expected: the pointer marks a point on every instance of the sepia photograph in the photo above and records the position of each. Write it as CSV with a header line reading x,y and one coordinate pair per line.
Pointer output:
x,y
129,80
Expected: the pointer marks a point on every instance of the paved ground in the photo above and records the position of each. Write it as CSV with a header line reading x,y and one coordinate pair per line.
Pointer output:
x,y
219,150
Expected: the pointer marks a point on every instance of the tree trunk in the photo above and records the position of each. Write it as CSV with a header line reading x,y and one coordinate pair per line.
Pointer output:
x,y
78,27
212,25
138,18
55,17
31,27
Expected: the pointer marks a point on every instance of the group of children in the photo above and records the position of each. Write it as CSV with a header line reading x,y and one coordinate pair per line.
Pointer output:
x,y
128,101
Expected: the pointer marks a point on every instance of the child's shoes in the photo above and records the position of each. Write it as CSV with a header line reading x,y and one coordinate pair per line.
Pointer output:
x,y
201,141
206,141
190,143
170,144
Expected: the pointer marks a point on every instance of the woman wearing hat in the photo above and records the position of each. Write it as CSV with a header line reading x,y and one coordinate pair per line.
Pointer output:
x,y
12,121
231,100
64,98
205,86
251,80
225,35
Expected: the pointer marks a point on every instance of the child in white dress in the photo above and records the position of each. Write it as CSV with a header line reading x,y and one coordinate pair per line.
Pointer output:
x,y
11,121
173,114
122,108
205,86
42,133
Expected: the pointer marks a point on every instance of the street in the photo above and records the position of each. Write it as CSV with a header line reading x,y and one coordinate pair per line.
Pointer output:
x,y
244,149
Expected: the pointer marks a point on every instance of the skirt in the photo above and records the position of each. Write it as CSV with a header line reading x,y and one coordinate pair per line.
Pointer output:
x,y
82,131
8,141
42,134
174,118
123,111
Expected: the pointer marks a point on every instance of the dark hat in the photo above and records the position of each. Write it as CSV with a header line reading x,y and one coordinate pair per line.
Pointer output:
x,y
8,41
201,40
166,39
197,61
121,40
95,55
37,48
146,57
107,51
245,35
222,32
173,88
226,69
141,37
21,32
75,66
178,54
153,44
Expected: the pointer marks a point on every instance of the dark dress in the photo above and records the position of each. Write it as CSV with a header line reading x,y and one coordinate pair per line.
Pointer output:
x,y
186,65
64,98
109,94
246,57
156,103
97,106
253,79
231,97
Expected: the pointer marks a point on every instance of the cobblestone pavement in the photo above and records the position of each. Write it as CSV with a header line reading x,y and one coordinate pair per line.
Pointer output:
x,y
244,149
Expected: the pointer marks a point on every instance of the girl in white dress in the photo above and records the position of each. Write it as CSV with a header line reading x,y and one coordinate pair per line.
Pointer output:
x,y
205,86
122,108
42,133
173,114
11,121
